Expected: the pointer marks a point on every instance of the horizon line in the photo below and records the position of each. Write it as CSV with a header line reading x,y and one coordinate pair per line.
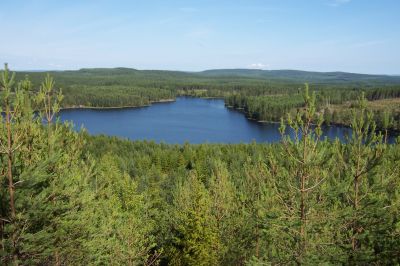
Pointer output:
x,y
199,71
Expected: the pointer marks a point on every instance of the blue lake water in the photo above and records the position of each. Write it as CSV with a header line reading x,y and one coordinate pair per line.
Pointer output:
x,y
191,120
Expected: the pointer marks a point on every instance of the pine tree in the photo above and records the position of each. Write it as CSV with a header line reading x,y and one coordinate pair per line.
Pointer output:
x,y
254,196
39,181
224,206
387,123
299,184
10,144
363,205
194,239
118,228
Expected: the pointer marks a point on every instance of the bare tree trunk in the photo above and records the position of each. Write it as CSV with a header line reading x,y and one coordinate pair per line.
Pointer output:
x,y
354,242
386,136
1,235
302,207
302,198
257,242
11,188
57,258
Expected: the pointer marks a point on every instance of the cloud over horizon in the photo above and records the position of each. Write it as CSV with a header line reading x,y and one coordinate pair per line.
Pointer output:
x,y
258,66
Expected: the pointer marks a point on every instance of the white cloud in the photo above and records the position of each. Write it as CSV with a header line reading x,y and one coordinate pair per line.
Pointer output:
x,y
54,65
258,66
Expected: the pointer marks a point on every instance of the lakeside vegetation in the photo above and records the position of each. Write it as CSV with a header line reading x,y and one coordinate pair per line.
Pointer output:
x,y
335,106
68,198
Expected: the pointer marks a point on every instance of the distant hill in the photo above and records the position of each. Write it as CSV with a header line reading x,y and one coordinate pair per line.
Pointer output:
x,y
111,87
124,76
302,76
276,75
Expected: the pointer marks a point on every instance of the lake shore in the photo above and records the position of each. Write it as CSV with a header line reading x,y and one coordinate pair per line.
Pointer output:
x,y
116,107
240,110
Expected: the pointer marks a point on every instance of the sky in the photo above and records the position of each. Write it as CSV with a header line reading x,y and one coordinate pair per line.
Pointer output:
x,y
361,36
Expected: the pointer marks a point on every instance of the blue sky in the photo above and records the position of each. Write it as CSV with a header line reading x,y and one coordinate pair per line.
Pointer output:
x,y
323,35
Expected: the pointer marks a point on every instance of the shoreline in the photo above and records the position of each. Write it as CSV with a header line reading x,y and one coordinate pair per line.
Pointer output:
x,y
116,107
202,97
240,110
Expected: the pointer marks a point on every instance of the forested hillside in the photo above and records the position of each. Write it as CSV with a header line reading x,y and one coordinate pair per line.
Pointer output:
x,y
68,198
305,76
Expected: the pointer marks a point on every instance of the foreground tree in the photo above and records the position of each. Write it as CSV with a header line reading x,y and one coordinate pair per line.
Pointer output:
x,y
369,204
9,144
299,185
194,239
117,227
51,193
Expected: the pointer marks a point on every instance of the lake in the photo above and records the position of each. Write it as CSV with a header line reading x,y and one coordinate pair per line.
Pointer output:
x,y
187,119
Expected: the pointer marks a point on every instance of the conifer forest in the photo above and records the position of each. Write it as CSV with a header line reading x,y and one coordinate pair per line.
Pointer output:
x,y
69,198
200,133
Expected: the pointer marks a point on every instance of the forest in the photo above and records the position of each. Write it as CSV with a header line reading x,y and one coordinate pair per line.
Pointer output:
x,y
261,95
335,105
68,198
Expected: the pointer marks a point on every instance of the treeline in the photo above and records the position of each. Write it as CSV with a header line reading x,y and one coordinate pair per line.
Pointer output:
x,y
382,102
383,93
386,118
71,199
335,105
265,108
113,96
124,86
129,87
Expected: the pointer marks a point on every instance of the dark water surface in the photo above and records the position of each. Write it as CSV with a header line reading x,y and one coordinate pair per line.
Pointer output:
x,y
187,119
